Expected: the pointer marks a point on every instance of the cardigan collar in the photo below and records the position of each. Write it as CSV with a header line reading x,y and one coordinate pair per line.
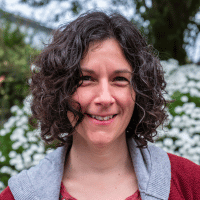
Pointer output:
x,y
151,165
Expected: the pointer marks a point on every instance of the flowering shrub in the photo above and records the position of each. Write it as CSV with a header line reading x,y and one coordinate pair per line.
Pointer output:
x,y
21,146
15,59
181,136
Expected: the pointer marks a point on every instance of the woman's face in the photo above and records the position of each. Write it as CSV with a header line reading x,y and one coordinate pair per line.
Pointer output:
x,y
105,91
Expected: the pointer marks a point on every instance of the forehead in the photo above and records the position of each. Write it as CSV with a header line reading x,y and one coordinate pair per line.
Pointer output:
x,y
104,54
107,44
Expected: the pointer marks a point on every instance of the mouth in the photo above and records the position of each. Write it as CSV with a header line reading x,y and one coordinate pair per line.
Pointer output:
x,y
100,121
92,116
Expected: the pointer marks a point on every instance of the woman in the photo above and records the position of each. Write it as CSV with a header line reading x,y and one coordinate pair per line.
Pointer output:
x,y
98,92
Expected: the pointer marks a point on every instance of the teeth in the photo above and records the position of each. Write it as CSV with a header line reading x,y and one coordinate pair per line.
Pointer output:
x,y
102,118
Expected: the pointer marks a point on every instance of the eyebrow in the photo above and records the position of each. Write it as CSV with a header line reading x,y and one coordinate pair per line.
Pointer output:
x,y
115,72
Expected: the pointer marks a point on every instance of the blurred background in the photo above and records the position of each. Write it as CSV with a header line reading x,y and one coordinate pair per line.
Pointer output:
x,y
172,27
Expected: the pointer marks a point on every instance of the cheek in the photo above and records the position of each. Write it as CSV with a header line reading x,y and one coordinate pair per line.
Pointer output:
x,y
128,97
130,101
83,97
71,118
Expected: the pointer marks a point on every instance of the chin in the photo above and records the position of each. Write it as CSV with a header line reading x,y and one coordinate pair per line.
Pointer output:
x,y
101,140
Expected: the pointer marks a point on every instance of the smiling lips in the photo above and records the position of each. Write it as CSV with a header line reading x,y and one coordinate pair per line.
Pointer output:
x,y
108,117
101,115
101,120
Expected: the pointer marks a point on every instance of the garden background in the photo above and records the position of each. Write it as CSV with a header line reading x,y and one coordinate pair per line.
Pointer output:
x,y
173,35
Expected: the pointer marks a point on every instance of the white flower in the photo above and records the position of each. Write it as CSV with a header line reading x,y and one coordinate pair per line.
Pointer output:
x,y
22,121
16,145
191,84
185,118
14,109
27,110
38,157
191,130
12,154
17,134
31,137
25,145
184,99
190,105
179,143
34,147
20,112
2,158
159,144
6,169
7,125
198,84
195,159
13,173
174,132
188,111
192,151
11,121
177,119
170,117
196,137
2,185
16,160
25,127
184,136
197,149
27,105
197,128
40,149
49,151
178,109
19,166
168,142
194,92
26,156
184,90
3,132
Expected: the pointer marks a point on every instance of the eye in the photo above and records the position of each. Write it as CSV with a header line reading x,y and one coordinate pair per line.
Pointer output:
x,y
89,78
85,77
121,78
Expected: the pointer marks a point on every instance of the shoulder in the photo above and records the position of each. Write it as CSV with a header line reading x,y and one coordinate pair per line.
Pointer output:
x,y
6,194
185,177
41,180
182,165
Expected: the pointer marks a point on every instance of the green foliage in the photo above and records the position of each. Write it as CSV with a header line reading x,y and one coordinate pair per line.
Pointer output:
x,y
169,25
36,3
168,28
76,7
15,62
13,38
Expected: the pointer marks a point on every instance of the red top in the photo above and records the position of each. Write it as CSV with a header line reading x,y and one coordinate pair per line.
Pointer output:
x,y
64,195
6,194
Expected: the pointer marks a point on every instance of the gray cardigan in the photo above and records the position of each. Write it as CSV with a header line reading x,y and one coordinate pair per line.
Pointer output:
x,y
42,182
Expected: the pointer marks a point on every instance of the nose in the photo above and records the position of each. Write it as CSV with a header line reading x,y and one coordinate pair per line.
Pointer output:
x,y
104,94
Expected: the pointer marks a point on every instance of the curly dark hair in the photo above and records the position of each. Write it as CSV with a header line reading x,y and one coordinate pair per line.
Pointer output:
x,y
58,76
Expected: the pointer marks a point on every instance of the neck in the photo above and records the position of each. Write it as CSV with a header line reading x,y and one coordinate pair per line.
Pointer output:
x,y
89,159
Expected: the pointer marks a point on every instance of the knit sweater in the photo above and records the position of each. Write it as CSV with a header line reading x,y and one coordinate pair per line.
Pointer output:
x,y
160,175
